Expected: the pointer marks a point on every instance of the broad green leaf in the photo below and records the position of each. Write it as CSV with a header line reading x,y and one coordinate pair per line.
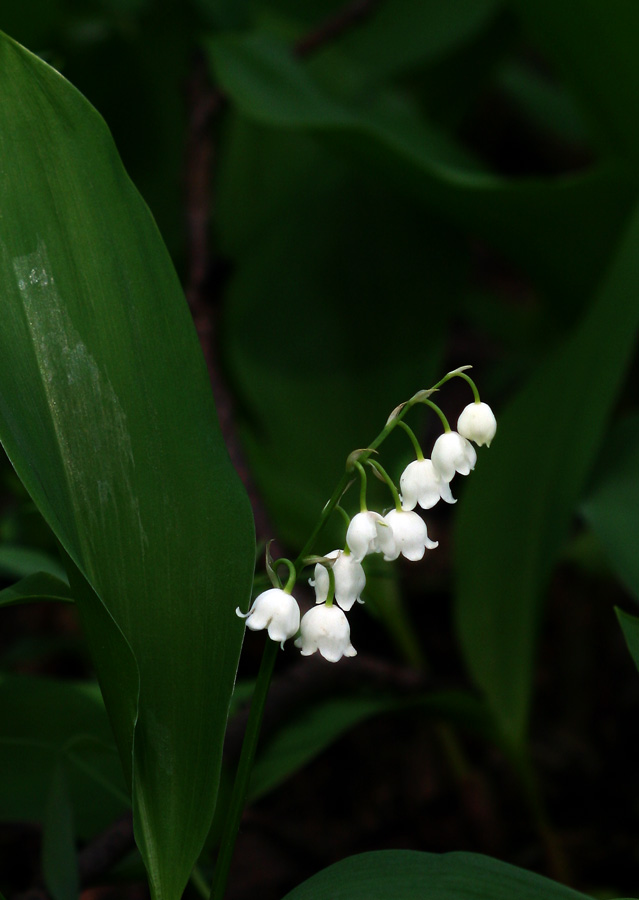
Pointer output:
x,y
550,107
630,627
597,53
612,503
225,15
320,725
44,722
411,875
518,503
59,858
403,35
107,416
301,740
19,562
40,587
546,225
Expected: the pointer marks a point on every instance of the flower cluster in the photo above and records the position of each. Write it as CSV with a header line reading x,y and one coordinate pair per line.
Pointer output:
x,y
339,576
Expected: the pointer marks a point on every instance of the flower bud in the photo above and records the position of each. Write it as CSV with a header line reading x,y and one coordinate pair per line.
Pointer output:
x,y
275,610
325,628
369,533
477,423
409,531
453,453
421,484
350,580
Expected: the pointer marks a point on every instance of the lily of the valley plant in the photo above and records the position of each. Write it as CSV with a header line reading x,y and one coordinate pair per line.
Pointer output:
x,y
339,576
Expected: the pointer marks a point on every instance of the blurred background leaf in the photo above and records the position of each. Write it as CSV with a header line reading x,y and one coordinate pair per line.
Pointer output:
x,y
596,53
320,725
519,504
630,627
611,505
38,587
59,861
450,876
45,722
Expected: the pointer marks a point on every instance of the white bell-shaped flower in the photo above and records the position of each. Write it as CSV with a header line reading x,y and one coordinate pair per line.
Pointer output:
x,y
369,533
421,484
477,423
453,453
325,628
275,610
411,535
350,580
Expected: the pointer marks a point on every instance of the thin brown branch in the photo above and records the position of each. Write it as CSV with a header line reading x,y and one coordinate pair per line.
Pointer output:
x,y
106,850
205,103
97,858
335,26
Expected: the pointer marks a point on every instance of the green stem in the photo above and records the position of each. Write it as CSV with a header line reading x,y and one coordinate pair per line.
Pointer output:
x,y
336,496
395,419
362,486
441,415
389,481
331,585
199,882
240,787
292,573
344,515
243,774
558,866
413,439
472,384
447,377
459,373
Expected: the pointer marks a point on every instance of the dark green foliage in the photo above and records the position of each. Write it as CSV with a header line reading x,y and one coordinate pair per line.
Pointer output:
x,y
432,184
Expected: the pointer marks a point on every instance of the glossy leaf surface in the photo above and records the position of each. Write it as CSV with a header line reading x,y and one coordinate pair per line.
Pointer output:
x,y
107,416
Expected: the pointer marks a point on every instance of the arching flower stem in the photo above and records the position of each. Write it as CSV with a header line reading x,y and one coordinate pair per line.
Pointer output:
x,y
292,573
347,522
362,485
459,373
472,384
413,438
243,773
441,415
389,481
331,585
